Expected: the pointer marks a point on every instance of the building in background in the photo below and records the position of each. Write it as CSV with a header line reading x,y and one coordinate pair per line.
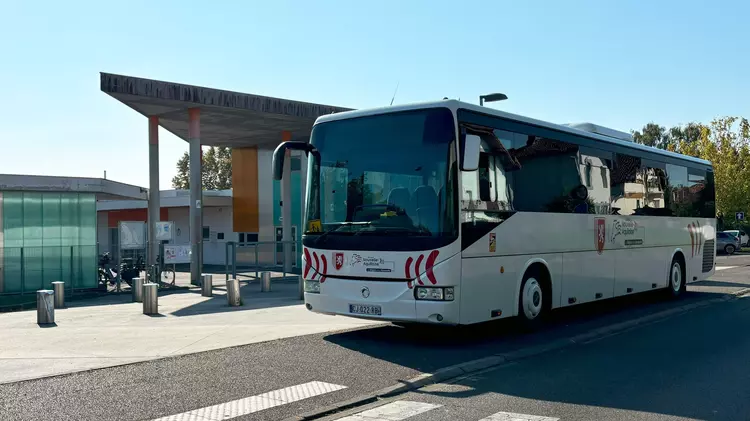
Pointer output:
x,y
48,230
175,207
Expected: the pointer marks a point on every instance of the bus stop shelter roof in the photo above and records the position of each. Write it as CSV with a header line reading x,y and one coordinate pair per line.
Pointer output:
x,y
227,118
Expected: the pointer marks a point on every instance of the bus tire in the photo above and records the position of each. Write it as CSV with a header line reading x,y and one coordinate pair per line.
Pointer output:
x,y
533,297
677,282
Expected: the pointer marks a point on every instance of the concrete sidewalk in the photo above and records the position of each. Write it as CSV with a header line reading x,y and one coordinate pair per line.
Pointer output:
x,y
112,330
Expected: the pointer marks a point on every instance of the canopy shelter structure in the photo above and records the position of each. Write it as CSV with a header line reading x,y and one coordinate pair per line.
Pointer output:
x,y
213,117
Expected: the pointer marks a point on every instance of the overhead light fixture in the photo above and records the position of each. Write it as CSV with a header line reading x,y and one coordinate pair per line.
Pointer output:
x,y
492,98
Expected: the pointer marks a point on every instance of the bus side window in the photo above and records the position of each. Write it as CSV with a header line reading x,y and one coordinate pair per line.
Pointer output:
x,y
485,178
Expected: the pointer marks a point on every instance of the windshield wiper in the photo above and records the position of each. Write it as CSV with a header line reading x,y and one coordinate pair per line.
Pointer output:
x,y
395,232
337,230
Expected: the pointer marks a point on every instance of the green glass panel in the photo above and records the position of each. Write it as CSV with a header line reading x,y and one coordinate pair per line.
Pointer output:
x,y
51,239
87,241
69,219
12,241
32,241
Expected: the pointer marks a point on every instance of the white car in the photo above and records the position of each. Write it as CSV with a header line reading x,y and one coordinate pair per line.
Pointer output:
x,y
744,238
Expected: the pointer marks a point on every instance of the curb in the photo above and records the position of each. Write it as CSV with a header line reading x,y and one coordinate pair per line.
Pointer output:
x,y
493,361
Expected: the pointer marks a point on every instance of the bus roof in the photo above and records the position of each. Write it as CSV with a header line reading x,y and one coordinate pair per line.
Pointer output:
x,y
454,105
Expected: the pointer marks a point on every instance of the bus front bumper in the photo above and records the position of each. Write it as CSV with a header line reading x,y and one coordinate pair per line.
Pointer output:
x,y
386,301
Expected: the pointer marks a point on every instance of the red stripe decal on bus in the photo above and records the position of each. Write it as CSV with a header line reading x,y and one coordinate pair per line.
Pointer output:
x,y
430,263
407,266
307,263
416,268
317,265
325,268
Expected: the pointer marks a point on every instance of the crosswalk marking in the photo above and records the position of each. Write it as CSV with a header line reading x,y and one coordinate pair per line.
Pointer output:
x,y
402,410
394,411
725,267
251,404
509,416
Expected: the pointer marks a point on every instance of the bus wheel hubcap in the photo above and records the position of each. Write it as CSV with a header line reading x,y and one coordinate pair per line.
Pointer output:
x,y
676,277
532,299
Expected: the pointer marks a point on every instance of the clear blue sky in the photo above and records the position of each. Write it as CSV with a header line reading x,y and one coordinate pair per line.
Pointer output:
x,y
619,64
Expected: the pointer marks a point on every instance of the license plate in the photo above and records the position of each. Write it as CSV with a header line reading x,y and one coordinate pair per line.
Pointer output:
x,y
364,309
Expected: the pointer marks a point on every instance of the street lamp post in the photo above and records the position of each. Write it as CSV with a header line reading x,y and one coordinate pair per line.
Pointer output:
x,y
492,98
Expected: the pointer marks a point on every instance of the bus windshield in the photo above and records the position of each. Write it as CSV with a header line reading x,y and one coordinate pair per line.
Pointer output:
x,y
383,182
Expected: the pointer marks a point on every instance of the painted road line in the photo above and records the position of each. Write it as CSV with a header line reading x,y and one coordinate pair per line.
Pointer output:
x,y
394,411
725,267
509,416
251,404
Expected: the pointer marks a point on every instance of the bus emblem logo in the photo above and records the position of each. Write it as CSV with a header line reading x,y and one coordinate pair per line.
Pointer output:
x,y
601,234
338,260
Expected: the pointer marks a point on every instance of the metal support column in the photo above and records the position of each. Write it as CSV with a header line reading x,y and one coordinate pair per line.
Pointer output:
x,y
286,212
196,196
153,187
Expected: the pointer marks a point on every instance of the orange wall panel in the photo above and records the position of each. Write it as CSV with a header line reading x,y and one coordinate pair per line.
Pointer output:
x,y
245,216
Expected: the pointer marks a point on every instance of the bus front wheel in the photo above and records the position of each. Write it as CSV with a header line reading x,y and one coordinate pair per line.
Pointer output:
x,y
532,299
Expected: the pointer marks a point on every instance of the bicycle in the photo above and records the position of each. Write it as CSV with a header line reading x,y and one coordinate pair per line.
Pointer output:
x,y
166,276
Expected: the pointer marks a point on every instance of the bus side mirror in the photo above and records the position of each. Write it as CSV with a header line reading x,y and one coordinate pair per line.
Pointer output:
x,y
470,146
280,153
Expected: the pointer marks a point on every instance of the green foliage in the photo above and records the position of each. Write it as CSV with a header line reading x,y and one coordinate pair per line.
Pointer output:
x,y
216,174
726,143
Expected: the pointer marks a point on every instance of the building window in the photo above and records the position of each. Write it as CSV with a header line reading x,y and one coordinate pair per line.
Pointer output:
x,y
245,238
206,233
220,236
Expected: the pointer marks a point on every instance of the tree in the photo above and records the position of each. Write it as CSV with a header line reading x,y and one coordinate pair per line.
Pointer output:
x,y
654,135
725,143
216,174
182,179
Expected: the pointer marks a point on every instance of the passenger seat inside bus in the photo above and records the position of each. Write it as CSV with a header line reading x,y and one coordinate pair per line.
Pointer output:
x,y
425,202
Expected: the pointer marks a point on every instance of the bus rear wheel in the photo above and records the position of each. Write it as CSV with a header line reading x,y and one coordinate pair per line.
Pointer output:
x,y
531,300
677,281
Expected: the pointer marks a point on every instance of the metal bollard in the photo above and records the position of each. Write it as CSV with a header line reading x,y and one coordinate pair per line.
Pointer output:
x,y
265,281
300,287
59,289
137,290
233,293
150,298
45,307
207,285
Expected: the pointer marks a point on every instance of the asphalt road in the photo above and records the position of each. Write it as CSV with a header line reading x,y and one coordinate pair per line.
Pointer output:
x,y
360,361
692,366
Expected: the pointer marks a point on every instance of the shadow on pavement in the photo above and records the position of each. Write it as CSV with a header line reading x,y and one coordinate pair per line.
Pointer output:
x,y
428,348
104,299
281,295
712,283
693,367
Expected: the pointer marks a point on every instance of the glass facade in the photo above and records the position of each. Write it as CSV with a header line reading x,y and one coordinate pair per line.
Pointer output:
x,y
296,185
47,237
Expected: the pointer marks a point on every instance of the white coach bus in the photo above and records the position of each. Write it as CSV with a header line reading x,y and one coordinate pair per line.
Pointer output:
x,y
451,213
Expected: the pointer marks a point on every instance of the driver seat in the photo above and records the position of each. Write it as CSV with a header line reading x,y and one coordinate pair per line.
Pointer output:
x,y
400,198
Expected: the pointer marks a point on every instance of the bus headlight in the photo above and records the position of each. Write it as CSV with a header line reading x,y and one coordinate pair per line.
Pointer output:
x,y
434,293
312,286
